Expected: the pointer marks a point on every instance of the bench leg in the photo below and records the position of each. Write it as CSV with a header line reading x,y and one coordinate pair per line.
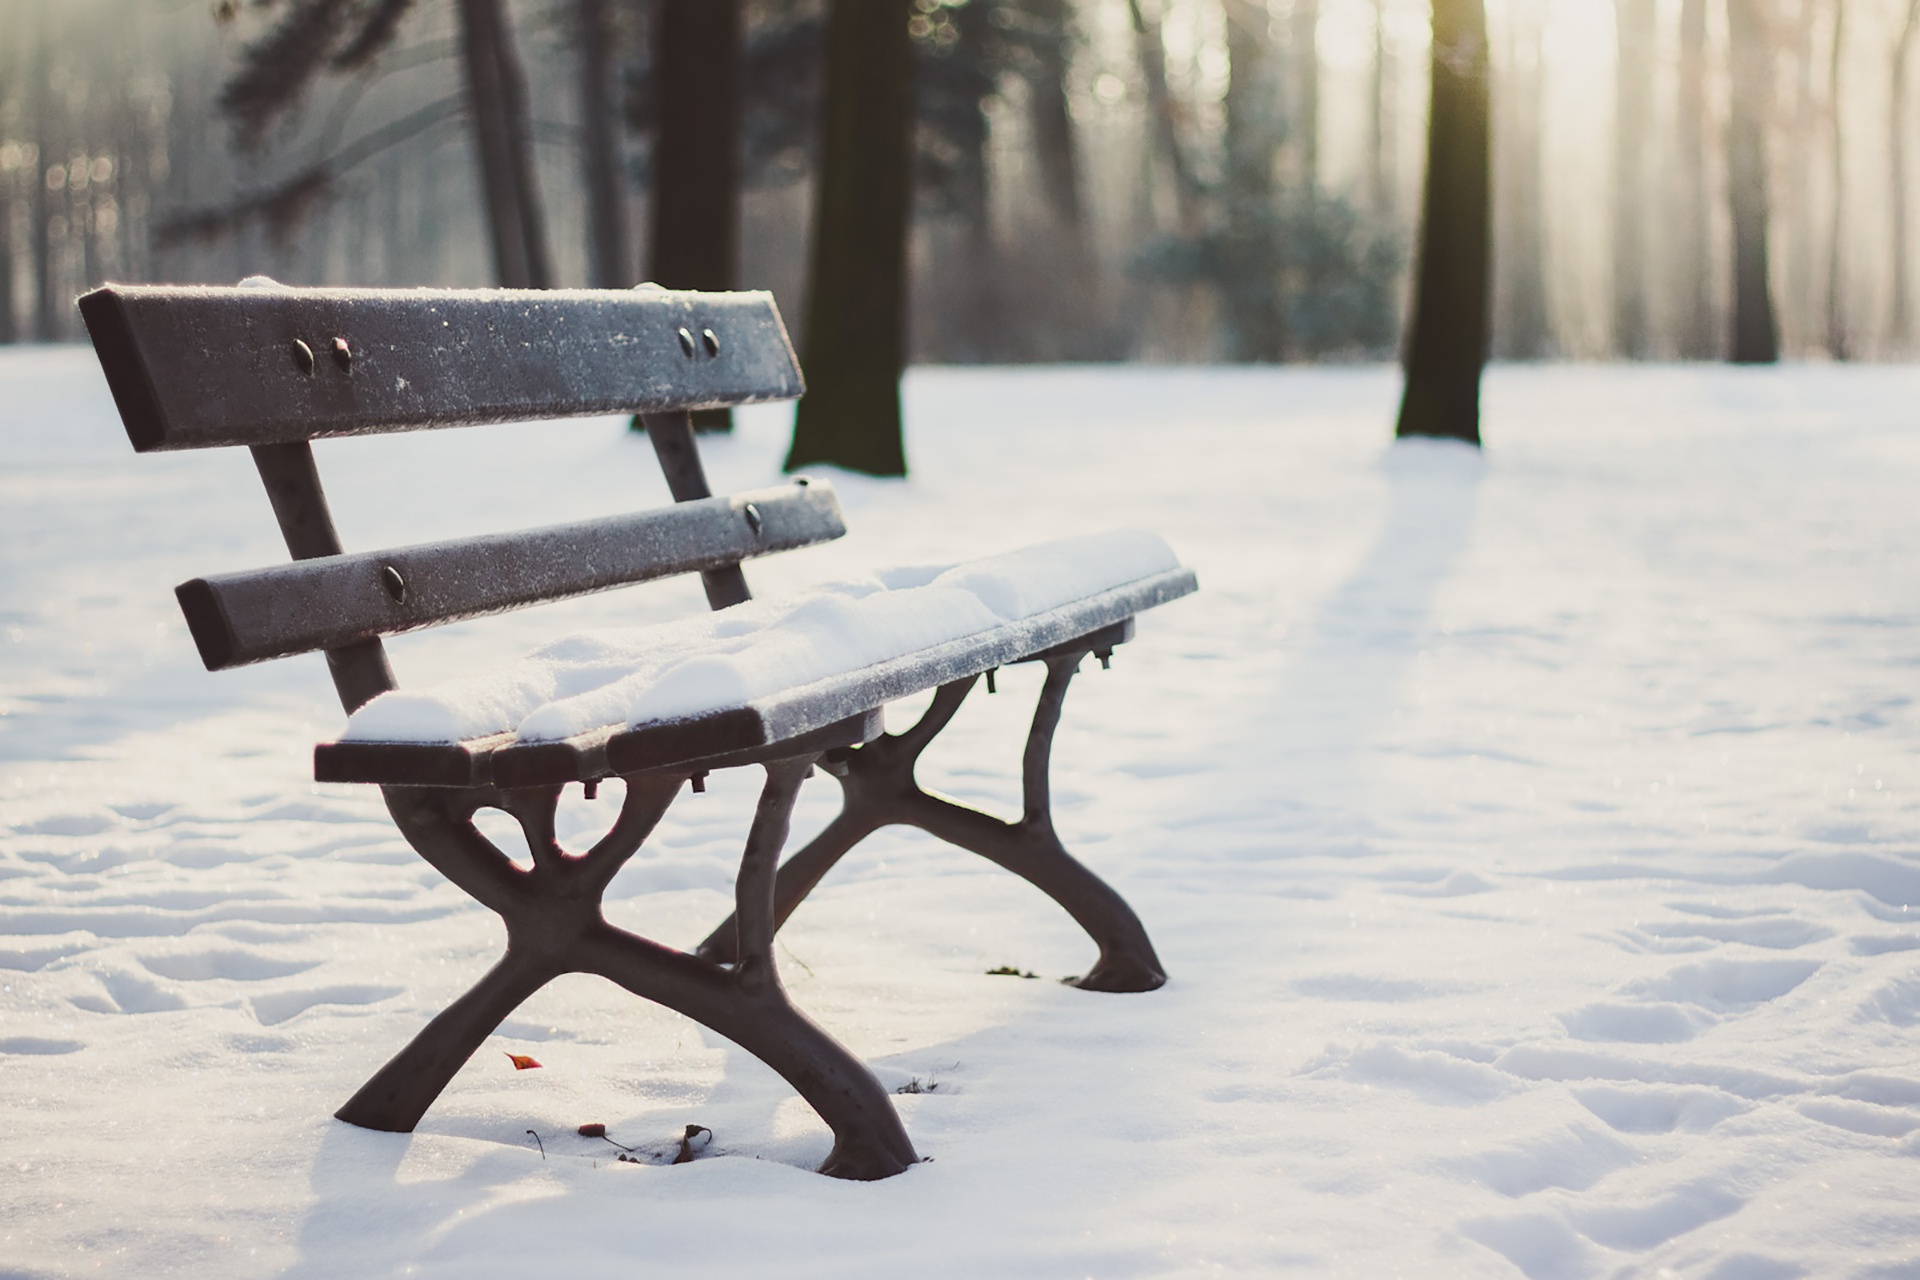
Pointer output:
x,y
879,790
554,926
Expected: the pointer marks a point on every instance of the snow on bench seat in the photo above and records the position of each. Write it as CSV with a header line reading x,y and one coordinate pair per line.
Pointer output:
x,y
763,672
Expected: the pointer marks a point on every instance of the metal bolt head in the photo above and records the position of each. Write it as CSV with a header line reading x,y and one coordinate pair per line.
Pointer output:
x,y
686,343
302,357
395,584
712,341
342,354
753,517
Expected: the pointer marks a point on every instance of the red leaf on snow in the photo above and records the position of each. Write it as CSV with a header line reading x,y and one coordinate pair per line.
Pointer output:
x,y
521,1062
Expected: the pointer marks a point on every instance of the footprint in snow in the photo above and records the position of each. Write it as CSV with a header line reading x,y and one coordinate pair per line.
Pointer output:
x,y
128,993
272,1010
39,1046
231,965
1656,1111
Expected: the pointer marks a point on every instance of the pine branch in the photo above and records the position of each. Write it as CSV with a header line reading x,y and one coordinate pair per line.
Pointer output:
x,y
282,207
276,69
376,33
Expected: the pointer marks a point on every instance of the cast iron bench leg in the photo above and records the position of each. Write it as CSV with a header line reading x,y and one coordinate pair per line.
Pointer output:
x,y
554,926
879,790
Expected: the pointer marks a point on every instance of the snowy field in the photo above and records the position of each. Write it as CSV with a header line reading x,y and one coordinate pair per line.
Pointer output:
x,y
1532,840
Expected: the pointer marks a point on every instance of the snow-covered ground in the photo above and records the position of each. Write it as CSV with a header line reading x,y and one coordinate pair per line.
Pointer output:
x,y
1533,842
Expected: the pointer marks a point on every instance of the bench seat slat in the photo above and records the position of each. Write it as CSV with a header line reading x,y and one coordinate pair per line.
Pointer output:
x,y
330,601
779,719
195,367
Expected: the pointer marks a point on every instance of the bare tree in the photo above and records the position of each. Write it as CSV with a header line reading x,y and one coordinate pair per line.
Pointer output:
x,y
603,173
857,286
1162,114
1303,120
1898,264
1523,329
1256,311
1632,171
1693,321
1381,105
47,312
1053,140
1447,346
503,142
1837,344
1756,334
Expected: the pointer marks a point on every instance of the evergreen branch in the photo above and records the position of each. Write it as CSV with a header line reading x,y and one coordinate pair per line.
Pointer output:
x,y
282,207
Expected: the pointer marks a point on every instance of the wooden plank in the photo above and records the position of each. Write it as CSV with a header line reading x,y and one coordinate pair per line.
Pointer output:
x,y
196,367
785,718
332,601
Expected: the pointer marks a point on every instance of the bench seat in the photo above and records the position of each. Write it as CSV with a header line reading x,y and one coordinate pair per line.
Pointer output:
x,y
711,691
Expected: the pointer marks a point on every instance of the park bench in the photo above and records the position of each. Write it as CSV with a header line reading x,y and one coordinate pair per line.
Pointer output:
x,y
272,368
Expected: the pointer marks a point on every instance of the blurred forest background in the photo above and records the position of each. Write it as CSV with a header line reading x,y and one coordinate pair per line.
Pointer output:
x,y
1175,180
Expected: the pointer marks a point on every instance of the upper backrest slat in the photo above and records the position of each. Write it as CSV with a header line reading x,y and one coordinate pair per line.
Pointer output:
x,y
194,367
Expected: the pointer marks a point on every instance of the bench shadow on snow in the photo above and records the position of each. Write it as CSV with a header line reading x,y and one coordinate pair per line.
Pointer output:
x,y
471,1195
1353,662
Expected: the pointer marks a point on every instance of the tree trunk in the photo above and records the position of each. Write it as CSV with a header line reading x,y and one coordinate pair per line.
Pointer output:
x,y
1522,328
1255,304
9,291
1632,153
503,139
857,289
1304,119
1381,103
1694,305
1448,342
603,172
1053,140
46,299
1902,324
1161,114
695,191
1837,344
1756,335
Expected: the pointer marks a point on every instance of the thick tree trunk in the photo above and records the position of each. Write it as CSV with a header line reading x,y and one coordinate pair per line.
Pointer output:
x,y
1522,329
1053,140
1756,334
603,172
695,197
1253,288
696,150
1693,319
1899,264
1632,155
857,289
1447,345
1838,345
503,140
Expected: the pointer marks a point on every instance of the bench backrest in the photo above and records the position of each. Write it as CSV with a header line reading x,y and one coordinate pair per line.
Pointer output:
x,y
273,368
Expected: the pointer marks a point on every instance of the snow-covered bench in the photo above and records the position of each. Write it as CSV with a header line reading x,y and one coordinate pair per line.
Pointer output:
x,y
783,684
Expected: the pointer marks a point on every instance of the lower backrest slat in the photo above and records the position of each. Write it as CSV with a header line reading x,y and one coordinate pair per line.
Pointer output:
x,y
341,600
